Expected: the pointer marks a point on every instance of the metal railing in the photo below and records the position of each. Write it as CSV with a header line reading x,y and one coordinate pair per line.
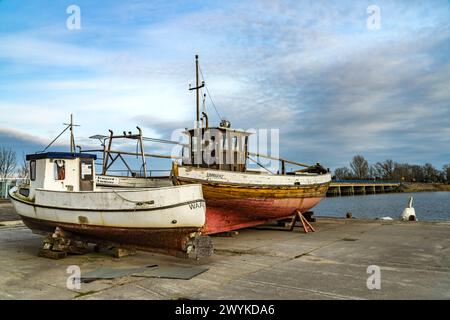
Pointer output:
x,y
150,173
7,183
367,181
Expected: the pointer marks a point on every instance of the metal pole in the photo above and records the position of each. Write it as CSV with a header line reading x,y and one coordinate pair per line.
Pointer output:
x,y
196,85
144,162
106,154
72,147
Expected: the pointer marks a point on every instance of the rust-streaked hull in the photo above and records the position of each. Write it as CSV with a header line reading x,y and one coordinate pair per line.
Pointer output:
x,y
174,241
164,220
233,214
233,207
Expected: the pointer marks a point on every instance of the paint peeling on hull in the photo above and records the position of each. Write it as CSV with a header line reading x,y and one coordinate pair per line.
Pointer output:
x,y
178,242
233,214
233,206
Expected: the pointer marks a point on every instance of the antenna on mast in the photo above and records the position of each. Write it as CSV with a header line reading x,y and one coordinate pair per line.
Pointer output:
x,y
72,139
197,87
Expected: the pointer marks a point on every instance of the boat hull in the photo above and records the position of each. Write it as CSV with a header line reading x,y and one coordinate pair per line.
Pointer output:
x,y
228,215
240,200
172,241
125,219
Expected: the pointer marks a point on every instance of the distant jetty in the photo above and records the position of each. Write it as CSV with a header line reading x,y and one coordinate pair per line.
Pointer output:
x,y
365,187
361,187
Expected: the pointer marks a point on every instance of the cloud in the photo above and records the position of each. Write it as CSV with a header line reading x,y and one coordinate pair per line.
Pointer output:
x,y
309,68
28,50
22,143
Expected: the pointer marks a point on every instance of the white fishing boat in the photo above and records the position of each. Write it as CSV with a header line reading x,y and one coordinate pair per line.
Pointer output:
x,y
62,193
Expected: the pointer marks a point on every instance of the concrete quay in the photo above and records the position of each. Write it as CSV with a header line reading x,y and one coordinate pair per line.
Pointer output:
x,y
332,263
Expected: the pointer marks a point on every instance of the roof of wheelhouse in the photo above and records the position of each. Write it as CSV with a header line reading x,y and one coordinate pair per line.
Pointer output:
x,y
60,155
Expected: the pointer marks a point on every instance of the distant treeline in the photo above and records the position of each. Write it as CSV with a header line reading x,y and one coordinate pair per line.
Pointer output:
x,y
9,166
360,169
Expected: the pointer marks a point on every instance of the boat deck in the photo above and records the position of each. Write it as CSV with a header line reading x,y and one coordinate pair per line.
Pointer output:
x,y
331,263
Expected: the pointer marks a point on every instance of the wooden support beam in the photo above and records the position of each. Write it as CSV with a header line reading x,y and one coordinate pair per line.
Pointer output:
x,y
298,216
121,252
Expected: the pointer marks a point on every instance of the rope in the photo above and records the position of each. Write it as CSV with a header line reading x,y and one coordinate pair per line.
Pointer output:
x,y
138,203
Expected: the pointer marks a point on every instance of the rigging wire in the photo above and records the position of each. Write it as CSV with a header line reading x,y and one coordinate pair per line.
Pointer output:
x,y
161,140
55,139
209,94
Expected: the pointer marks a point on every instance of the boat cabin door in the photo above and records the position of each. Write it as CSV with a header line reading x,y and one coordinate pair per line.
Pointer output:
x,y
86,174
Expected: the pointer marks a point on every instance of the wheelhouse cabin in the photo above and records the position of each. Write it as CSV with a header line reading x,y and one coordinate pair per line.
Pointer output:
x,y
60,171
219,148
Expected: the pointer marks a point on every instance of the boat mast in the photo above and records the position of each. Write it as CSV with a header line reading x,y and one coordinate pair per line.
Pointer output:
x,y
197,88
72,139
197,91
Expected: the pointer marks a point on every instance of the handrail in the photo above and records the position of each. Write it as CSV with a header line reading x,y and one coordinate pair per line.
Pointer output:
x,y
135,154
278,159
367,181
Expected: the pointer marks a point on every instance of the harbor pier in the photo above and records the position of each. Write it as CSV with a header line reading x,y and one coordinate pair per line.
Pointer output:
x,y
352,187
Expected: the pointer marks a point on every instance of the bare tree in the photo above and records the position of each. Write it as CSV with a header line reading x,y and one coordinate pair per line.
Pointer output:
x,y
392,170
431,174
373,173
7,162
385,169
23,170
446,171
343,173
360,167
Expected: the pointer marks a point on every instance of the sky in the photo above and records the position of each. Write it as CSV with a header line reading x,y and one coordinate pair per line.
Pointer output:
x,y
333,83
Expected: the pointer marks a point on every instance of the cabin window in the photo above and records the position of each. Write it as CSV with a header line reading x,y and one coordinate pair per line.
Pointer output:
x,y
86,170
235,143
24,192
194,143
33,170
60,169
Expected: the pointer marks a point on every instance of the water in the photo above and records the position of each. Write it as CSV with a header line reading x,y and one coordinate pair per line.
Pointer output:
x,y
429,206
